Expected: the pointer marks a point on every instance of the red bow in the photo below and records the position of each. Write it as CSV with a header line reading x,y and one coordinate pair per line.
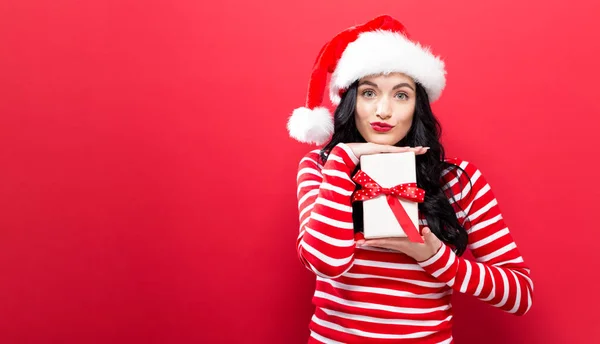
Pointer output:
x,y
408,191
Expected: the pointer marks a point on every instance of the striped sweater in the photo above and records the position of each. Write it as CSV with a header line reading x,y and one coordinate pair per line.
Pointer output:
x,y
373,295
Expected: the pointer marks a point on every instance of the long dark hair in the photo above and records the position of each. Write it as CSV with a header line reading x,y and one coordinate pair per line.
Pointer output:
x,y
425,131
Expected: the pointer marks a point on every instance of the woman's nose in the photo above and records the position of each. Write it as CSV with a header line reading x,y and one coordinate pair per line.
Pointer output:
x,y
383,109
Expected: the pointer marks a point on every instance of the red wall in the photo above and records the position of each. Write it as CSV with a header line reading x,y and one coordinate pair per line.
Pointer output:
x,y
147,182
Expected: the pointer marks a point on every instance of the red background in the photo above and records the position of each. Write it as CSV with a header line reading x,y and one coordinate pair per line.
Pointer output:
x,y
147,181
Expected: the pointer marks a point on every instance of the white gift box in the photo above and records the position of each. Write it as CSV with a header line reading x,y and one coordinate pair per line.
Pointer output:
x,y
388,170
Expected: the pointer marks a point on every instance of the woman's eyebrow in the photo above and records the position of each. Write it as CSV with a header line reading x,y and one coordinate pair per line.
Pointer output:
x,y
365,82
403,84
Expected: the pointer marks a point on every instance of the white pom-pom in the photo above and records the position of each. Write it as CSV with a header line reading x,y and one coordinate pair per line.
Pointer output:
x,y
311,126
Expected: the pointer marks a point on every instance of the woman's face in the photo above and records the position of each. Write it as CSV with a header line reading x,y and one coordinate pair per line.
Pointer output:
x,y
385,105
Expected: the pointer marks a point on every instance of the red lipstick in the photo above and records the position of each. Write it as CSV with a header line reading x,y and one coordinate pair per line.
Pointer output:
x,y
381,127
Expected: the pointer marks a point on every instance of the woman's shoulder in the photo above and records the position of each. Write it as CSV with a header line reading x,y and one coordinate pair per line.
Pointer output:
x,y
467,164
340,152
312,159
459,169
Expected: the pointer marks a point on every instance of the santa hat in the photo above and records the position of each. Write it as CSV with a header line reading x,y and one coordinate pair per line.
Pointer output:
x,y
382,45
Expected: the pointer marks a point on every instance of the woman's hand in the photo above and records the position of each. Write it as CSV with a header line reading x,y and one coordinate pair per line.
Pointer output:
x,y
373,148
419,252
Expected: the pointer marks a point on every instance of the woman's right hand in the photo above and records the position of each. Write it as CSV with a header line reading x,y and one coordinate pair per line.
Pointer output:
x,y
360,149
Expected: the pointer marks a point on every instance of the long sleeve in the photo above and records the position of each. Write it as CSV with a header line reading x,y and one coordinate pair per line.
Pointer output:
x,y
499,276
326,243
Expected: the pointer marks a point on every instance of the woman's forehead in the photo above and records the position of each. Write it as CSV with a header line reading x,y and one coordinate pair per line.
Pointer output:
x,y
385,78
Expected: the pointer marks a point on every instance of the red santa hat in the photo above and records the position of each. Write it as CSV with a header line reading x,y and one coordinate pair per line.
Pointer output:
x,y
382,45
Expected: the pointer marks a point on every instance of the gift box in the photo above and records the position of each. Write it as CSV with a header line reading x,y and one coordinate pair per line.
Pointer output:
x,y
390,195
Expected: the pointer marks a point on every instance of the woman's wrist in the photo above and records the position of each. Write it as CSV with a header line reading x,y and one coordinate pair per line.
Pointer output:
x,y
424,261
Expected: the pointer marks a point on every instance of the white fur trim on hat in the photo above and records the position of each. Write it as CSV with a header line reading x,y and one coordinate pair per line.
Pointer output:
x,y
311,126
381,51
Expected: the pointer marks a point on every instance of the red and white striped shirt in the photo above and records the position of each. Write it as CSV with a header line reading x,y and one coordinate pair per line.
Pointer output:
x,y
372,295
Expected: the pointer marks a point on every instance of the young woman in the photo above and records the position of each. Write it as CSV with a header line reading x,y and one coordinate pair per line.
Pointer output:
x,y
393,290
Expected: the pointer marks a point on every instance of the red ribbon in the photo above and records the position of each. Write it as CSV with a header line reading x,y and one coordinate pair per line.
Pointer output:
x,y
408,191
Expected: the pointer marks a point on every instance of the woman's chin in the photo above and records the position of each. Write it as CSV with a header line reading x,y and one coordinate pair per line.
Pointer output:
x,y
383,139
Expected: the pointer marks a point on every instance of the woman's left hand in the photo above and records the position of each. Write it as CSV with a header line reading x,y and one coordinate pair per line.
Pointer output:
x,y
418,251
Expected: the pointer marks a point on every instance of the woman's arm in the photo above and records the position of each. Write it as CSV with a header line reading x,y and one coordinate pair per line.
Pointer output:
x,y
326,243
499,276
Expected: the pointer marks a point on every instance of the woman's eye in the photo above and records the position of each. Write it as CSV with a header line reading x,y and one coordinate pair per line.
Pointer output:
x,y
403,96
368,93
